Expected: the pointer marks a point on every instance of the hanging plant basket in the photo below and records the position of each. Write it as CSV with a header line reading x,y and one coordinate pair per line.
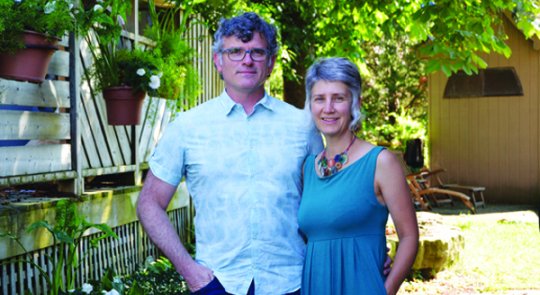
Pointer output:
x,y
123,105
30,63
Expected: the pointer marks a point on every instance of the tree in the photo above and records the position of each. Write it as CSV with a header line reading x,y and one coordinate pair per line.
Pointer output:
x,y
415,38
448,35
394,94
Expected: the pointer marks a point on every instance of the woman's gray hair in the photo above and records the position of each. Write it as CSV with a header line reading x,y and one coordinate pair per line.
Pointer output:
x,y
337,69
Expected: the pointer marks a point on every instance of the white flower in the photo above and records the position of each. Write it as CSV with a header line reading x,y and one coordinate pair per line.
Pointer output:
x,y
98,8
69,3
87,288
160,74
99,1
112,292
71,291
49,7
154,82
141,72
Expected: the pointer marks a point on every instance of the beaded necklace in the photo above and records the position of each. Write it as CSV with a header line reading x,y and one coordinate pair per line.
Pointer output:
x,y
332,166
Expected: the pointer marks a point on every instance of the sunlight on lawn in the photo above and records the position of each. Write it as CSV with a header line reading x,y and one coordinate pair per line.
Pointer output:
x,y
501,254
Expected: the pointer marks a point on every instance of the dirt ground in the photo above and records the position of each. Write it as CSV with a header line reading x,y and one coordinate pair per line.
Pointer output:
x,y
447,283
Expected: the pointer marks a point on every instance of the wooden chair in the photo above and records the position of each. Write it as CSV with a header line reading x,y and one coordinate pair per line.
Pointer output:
x,y
424,194
476,193
419,201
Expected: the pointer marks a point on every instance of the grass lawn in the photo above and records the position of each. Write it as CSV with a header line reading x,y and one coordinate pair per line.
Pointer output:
x,y
501,254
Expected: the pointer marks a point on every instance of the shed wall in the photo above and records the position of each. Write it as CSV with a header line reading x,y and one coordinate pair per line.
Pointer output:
x,y
491,141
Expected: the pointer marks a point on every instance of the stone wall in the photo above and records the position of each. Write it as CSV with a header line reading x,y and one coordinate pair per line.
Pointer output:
x,y
439,246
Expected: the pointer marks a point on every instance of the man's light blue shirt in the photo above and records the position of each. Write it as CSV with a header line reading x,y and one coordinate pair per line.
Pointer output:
x,y
244,173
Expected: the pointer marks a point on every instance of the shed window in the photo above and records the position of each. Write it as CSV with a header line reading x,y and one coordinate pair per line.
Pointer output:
x,y
488,82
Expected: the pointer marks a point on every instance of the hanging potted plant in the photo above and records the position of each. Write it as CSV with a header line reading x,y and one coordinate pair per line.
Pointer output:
x,y
125,77
165,70
123,73
180,81
29,32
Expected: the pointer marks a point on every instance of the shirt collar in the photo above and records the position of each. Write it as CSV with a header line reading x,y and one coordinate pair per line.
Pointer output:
x,y
229,104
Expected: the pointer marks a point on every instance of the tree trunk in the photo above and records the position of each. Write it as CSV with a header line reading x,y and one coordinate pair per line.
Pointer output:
x,y
294,91
293,87
295,27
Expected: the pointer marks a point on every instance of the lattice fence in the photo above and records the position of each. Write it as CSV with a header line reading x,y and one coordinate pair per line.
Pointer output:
x,y
124,255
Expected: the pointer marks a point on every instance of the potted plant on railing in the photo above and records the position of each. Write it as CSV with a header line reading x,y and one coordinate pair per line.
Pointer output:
x,y
169,61
123,73
125,76
29,32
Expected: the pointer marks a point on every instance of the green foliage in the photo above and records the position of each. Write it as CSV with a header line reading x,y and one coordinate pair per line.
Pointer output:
x,y
102,17
429,36
135,68
114,63
448,35
395,136
158,277
457,32
168,61
66,232
210,12
155,277
180,81
394,94
52,18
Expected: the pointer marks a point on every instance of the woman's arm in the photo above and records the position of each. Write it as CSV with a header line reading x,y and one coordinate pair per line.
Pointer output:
x,y
391,186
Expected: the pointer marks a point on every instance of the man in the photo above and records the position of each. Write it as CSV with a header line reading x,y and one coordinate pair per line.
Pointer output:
x,y
241,154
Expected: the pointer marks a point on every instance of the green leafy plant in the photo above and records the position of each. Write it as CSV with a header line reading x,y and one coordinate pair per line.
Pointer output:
x,y
67,232
157,277
180,80
116,63
53,18
168,59
394,94
124,67
110,284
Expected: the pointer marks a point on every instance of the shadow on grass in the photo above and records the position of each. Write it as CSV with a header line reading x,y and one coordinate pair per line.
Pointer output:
x,y
459,208
527,213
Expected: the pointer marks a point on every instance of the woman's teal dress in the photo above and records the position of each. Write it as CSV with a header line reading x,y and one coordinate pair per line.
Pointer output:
x,y
345,229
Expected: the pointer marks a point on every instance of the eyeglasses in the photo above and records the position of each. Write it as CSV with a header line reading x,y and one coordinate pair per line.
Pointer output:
x,y
238,54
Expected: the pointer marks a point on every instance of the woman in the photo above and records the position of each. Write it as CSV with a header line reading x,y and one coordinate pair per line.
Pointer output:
x,y
349,188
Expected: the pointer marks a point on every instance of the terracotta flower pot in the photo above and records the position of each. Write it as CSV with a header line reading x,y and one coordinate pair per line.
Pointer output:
x,y
30,63
123,105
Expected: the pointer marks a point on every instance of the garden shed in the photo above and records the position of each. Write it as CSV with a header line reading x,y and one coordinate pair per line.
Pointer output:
x,y
484,129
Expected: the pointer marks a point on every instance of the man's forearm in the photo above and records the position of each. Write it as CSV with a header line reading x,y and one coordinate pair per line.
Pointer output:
x,y
152,212
159,229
